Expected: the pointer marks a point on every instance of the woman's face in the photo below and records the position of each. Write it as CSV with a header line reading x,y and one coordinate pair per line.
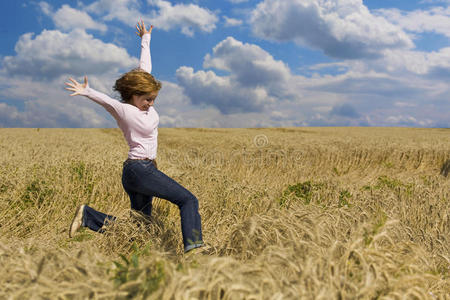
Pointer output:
x,y
143,102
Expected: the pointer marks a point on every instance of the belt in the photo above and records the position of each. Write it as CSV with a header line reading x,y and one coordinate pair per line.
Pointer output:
x,y
138,159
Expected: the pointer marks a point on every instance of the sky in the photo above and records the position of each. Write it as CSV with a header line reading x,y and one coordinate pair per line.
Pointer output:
x,y
232,63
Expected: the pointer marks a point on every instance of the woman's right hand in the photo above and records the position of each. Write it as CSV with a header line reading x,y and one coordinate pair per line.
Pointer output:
x,y
77,87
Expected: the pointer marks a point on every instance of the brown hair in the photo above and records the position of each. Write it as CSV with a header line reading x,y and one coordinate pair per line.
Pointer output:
x,y
136,82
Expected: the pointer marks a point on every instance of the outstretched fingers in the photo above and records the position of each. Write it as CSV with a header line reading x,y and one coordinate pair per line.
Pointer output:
x,y
72,89
76,87
75,93
141,30
70,86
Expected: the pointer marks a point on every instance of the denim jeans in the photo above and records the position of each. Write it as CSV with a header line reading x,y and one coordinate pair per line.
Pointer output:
x,y
141,180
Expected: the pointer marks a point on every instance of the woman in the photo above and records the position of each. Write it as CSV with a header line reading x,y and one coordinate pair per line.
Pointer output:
x,y
139,121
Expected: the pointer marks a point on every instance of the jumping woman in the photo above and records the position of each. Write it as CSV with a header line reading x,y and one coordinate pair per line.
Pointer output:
x,y
138,120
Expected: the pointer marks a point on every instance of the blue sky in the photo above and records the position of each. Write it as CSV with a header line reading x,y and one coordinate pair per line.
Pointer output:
x,y
232,63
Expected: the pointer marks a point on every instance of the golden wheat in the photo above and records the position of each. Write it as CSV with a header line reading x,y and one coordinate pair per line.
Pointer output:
x,y
290,213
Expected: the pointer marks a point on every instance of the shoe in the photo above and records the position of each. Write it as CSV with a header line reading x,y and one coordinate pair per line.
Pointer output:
x,y
77,221
202,250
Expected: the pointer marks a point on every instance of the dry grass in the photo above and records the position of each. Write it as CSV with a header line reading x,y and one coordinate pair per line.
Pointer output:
x,y
291,213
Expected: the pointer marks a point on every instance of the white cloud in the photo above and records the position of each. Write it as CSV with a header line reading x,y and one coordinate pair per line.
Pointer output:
x,y
35,77
435,19
434,64
366,93
46,8
188,17
240,85
47,104
249,64
208,89
256,79
52,53
229,22
68,18
176,110
125,11
340,28
406,120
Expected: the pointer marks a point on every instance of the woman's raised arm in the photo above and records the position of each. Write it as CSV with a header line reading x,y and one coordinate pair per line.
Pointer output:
x,y
145,62
114,107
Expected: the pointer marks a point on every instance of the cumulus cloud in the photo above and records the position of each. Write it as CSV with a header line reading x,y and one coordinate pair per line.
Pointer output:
x,y
53,53
240,84
341,28
206,88
254,82
432,65
35,75
435,19
255,78
47,104
229,22
166,16
249,64
188,17
125,11
68,18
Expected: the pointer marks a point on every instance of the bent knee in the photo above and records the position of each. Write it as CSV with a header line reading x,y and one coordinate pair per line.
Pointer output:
x,y
189,199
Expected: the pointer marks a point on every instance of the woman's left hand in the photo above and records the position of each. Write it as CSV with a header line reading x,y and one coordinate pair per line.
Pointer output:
x,y
142,30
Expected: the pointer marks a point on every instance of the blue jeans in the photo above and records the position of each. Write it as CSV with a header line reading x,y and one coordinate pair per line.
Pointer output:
x,y
141,180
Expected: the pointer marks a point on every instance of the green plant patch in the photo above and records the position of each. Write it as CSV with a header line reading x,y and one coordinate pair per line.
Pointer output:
x,y
385,182
298,192
128,269
379,222
344,199
78,169
83,173
83,235
35,194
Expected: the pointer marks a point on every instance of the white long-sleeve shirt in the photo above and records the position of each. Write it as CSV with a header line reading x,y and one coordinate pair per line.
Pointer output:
x,y
140,128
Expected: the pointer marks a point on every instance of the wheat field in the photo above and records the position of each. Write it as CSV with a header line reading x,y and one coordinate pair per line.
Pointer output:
x,y
289,213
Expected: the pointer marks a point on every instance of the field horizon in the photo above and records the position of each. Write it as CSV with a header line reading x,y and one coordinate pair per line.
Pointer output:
x,y
289,212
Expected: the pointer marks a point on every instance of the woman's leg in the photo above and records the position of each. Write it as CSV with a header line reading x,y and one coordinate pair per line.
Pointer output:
x,y
142,177
95,220
140,202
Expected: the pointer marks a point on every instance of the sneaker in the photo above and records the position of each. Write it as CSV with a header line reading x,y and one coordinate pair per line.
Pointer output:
x,y
77,221
202,250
